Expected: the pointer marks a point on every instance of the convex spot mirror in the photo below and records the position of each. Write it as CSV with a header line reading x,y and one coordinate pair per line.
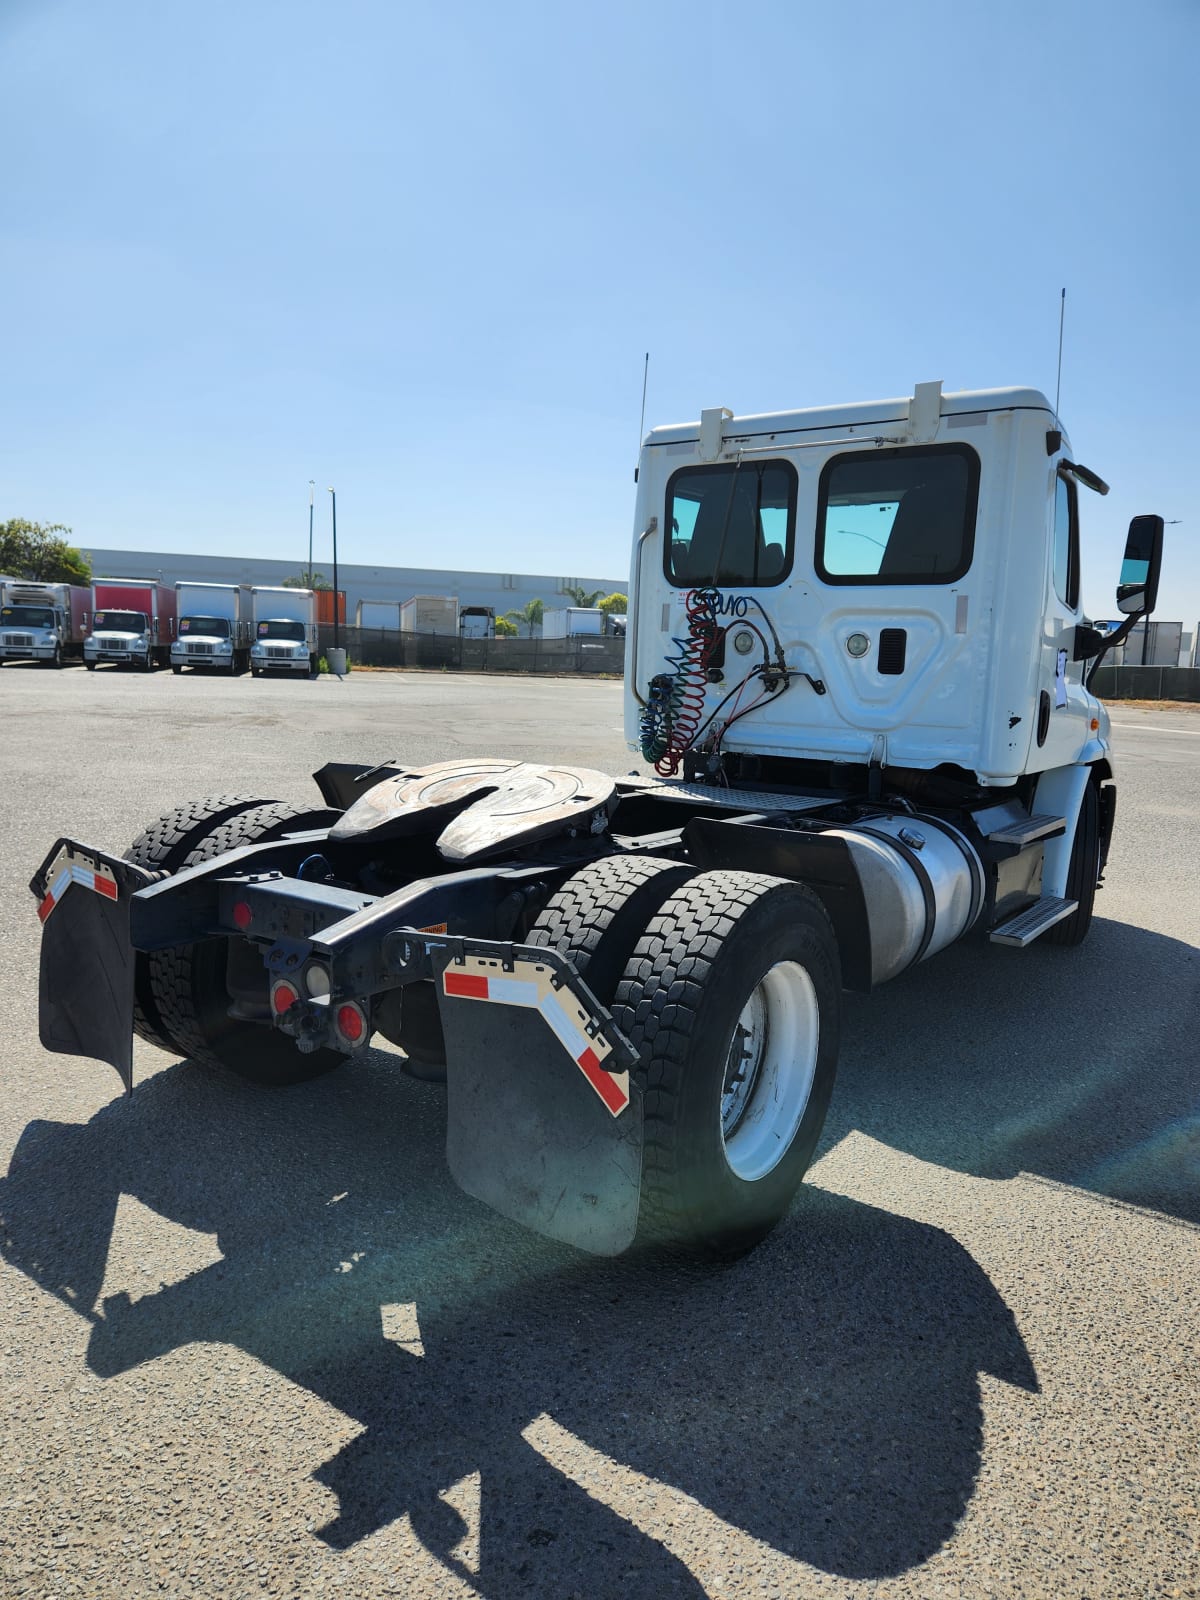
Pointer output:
x,y
1137,588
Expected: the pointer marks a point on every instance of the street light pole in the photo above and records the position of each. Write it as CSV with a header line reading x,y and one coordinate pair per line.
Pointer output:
x,y
336,636
311,489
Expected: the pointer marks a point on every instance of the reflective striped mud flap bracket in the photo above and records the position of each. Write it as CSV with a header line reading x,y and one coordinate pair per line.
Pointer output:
x,y
85,984
544,1119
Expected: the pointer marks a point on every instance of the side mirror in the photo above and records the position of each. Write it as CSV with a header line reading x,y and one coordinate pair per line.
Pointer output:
x,y
1137,589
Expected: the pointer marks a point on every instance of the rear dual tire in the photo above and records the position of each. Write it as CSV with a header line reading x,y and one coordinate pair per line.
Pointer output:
x,y
595,919
181,1003
188,981
728,985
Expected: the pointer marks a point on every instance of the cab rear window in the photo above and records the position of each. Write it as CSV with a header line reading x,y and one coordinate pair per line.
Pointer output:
x,y
897,515
731,524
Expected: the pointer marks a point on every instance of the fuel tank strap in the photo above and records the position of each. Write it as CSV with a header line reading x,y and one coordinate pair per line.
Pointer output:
x,y
923,880
969,855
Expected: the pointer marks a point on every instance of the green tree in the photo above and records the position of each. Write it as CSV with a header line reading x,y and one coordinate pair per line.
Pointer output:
x,y
307,580
614,604
506,629
531,615
580,595
41,552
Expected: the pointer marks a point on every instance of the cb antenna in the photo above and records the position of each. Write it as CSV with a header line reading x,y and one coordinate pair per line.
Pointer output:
x,y
642,418
1062,317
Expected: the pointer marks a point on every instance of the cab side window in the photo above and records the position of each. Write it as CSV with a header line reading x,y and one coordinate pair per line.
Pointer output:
x,y
1066,543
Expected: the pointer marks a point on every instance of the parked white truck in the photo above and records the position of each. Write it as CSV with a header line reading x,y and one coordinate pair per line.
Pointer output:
x,y
858,668
213,628
285,631
573,622
132,624
45,622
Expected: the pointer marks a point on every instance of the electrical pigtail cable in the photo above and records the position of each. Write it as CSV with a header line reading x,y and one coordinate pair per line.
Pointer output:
x,y
676,699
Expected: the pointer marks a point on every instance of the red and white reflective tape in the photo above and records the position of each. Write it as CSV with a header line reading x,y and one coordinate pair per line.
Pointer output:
x,y
73,872
585,1052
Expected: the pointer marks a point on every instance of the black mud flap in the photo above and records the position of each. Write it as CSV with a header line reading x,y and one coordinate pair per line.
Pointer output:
x,y
544,1120
85,986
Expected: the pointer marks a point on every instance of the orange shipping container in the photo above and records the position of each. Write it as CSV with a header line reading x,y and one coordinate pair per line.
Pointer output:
x,y
325,606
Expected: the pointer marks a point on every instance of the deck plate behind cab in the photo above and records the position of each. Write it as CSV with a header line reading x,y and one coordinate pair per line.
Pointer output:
x,y
480,807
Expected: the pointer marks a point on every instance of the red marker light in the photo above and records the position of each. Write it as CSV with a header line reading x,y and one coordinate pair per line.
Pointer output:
x,y
242,915
283,995
351,1023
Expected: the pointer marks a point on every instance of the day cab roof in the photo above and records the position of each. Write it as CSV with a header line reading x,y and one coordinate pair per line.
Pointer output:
x,y
857,413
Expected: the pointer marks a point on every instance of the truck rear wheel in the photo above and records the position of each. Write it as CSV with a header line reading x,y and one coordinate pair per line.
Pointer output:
x,y
595,918
731,999
163,847
188,981
601,912
1083,873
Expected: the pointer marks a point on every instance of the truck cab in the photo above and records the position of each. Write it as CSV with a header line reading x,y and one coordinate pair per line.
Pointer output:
x,y
30,630
918,558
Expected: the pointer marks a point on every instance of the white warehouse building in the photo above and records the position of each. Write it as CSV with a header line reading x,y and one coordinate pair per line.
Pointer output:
x,y
503,591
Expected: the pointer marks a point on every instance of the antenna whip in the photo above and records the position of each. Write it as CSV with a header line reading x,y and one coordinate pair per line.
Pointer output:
x,y
1062,316
642,418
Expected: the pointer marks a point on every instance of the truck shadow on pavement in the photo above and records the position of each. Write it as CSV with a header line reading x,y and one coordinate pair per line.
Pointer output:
x,y
1075,1065
822,1395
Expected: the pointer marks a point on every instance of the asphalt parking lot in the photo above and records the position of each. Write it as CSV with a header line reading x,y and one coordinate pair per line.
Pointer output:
x,y
258,1344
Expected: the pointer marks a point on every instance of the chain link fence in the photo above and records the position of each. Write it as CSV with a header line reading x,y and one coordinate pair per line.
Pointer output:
x,y
385,647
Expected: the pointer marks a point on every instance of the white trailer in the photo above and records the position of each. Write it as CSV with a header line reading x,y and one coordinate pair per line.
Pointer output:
x,y
379,614
284,630
859,670
212,628
430,613
573,622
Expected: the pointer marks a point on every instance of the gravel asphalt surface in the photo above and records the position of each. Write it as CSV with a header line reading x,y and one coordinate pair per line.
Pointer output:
x,y
257,1343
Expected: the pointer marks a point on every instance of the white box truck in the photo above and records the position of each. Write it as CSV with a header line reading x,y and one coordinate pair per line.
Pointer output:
x,y
43,621
430,613
285,631
213,628
132,622
572,622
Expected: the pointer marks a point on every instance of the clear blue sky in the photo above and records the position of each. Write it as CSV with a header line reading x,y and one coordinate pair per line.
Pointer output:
x,y
418,250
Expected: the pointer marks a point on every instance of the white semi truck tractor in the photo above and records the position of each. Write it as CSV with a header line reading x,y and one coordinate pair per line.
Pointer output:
x,y
213,629
857,672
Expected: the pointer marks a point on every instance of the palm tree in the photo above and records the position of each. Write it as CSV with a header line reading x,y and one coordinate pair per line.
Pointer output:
x,y
530,615
580,595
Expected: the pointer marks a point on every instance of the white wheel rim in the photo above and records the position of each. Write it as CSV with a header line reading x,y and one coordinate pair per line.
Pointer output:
x,y
769,1071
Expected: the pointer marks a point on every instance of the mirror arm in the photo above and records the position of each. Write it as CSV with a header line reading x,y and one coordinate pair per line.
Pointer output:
x,y
1111,641
1081,474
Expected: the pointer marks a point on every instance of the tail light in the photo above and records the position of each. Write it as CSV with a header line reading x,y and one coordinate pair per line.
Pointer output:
x,y
351,1023
283,996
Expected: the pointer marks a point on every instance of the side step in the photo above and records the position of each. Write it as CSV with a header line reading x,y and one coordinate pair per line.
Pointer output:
x,y
1027,830
1027,925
